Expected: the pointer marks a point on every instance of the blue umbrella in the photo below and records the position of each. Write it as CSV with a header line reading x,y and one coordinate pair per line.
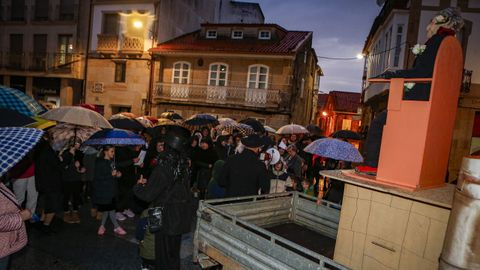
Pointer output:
x,y
15,143
201,119
16,100
335,149
115,137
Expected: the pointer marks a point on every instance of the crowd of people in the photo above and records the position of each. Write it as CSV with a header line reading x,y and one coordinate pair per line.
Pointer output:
x,y
112,180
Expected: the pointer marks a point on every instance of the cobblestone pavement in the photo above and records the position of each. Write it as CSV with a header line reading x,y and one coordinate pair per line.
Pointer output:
x,y
77,246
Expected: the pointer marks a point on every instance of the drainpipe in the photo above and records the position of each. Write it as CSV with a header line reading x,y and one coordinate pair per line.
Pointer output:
x,y
148,107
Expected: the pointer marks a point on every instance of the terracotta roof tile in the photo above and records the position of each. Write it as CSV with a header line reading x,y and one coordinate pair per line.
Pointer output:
x,y
193,42
346,101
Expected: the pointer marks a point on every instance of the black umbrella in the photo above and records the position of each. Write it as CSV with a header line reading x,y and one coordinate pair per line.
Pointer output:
x,y
255,124
346,134
314,129
201,119
127,123
11,118
171,116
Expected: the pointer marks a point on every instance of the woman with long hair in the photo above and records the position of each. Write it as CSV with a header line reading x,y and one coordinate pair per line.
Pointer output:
x,y
105,188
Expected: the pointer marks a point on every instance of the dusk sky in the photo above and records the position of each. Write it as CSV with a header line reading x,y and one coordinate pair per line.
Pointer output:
x,y
339,27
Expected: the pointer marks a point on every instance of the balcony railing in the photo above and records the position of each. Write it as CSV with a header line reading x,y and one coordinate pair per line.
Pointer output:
x,y
40,62
107,43
65,14
223,95
132,45
16,16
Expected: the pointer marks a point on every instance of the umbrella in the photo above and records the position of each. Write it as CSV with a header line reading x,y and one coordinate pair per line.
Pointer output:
x,y
244,129
127,123
62,133
151,119
90,107
226,120
171,115
41,123
16,100
166,122
11,118
144,121
201,119
269,129
115,137
15,143
254,123
123,115
314,129
346,134
78,116
292,129
335,149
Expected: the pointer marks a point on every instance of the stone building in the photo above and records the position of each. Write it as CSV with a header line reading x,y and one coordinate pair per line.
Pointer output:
x,y
238,70
398,27
122,32
43,48
339,110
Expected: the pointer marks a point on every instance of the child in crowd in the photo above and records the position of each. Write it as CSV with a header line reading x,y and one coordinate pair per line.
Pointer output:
x,y
279,178
307,187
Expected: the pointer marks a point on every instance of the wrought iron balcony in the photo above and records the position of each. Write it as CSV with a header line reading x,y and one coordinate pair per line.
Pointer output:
x,y
107,43
223,96
41,62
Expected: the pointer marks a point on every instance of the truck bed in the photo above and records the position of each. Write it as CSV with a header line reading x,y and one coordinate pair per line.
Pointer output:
x,y
305,237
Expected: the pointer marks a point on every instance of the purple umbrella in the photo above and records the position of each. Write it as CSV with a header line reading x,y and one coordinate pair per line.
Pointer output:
x,y
335,149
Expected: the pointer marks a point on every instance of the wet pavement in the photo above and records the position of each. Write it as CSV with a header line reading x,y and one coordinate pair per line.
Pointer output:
x,y
77,246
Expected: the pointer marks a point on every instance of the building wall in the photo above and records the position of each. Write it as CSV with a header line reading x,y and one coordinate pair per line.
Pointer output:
x,y
66,88
132,93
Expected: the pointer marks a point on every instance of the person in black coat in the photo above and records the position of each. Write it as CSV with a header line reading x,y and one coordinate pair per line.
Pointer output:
x,y
244,174
105,188
168,186
48,182
444,24
203,161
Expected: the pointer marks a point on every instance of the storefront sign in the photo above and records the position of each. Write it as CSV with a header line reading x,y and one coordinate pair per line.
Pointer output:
x,y
49,92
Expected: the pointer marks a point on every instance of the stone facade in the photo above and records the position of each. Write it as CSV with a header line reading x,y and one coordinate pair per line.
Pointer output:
x,y
383,231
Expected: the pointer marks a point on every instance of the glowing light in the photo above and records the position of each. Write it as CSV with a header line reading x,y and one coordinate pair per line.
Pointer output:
x,y
360,56
324,113
137,24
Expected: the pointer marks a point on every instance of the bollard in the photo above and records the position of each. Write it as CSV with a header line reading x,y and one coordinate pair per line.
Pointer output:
x,y
461,248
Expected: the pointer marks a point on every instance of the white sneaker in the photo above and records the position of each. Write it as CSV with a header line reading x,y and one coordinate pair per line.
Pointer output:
x,y
128,213
120,216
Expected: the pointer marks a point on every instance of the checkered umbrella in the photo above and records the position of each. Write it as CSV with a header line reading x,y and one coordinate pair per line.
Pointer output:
x,y
16,100
244,129
11,118
15,143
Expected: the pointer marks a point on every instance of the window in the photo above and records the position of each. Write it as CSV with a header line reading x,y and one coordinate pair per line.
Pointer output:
x,y
347,124
264,34
237,34
65,49
39,52
218,74
257,76
120,70
120,109
16,51
181,73
66,10
17,12
211,34
398,44
110,24
41,10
